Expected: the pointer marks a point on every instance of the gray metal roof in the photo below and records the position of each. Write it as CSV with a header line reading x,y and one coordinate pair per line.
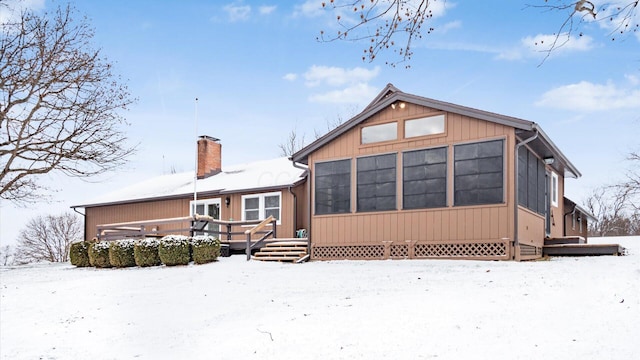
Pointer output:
x,y
390,94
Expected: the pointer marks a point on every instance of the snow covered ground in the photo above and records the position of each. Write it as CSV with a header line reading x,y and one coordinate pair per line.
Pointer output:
x,y
565,308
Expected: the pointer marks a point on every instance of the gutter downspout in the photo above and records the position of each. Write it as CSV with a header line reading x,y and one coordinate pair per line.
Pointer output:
x,y
84,238
308,210
516,189
295,210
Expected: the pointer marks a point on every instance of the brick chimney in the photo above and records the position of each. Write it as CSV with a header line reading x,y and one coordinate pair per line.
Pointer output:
x,y
209,156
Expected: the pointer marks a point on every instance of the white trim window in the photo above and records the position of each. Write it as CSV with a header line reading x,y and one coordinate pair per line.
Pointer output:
x,y
554,189
208,207
261,206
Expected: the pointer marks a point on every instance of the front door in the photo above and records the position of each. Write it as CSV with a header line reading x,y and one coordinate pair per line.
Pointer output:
x,y
209,207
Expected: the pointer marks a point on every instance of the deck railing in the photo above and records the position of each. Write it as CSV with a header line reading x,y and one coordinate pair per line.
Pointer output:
x,y
160,227
257,230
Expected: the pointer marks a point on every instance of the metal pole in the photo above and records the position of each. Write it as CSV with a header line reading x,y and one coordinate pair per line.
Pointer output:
x,y
195,173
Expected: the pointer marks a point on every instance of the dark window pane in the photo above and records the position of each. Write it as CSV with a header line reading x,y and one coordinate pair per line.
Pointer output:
x,y
425,178
333,187
479,173
376,181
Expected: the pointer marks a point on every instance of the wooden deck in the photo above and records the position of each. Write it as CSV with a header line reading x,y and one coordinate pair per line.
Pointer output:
x,y
583,250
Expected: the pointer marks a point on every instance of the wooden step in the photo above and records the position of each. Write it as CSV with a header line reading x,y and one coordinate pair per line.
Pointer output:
x,y
583,249
287,243
279,253
283,248
565,240
280,259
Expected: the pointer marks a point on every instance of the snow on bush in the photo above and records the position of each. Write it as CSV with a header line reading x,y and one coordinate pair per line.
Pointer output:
x,y
145,252
79,254
205,249
174,250
121,253
99,254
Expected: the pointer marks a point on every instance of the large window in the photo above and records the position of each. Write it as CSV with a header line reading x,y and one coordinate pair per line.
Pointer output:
x,y
378,133
377,183
531,181
333,187
261,206
424,178
479,173
424,126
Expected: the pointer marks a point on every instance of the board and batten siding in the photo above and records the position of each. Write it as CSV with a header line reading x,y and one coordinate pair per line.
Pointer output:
x,y
174,208
483,223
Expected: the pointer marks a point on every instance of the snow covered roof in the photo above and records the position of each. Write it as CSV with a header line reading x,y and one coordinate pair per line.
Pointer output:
x,y
255,176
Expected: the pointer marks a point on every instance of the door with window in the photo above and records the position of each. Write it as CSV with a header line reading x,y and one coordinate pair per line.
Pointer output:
x,y
209,207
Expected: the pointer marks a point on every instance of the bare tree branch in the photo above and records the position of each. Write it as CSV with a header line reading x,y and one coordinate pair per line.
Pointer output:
x,y
48,238
59,104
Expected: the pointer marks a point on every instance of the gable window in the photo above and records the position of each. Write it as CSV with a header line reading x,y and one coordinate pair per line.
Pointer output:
x,y
376,180
424,178
378,133
424,126
333,187
479,173
554,189
531,181
261,206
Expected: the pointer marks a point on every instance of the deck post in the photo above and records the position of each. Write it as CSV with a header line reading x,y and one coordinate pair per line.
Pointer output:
x,y
248,250
228,231
274,224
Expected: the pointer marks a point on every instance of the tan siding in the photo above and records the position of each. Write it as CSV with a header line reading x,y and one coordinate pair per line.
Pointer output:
x,y
472,224
530,228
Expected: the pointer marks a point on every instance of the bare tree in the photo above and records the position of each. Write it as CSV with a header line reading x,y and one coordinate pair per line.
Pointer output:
x,y
59,104
613,210
395,24
48,238
292,144
6,255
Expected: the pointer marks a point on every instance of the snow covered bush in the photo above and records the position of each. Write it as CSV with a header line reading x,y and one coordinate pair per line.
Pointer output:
x,y
205,249
99,254
121,253
174,250
79,253
145,252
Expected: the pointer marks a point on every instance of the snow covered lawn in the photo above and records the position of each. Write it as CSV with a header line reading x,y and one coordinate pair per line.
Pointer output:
x,y
565,308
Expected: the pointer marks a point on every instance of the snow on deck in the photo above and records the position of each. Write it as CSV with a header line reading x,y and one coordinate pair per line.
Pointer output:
x,y
273,173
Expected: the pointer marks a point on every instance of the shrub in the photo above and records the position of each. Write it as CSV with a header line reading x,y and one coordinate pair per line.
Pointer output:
x,y
205,249
145,252
99,254
121,253
174,250
79,254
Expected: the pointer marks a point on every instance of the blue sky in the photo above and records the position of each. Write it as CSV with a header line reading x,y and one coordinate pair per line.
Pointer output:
x,y
259,72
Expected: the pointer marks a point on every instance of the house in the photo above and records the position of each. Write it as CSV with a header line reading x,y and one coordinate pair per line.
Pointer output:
x,y
408,177
247,192
413,177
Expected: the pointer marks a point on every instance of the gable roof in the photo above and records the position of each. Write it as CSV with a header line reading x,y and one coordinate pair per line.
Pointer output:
x,y
390,94
256,176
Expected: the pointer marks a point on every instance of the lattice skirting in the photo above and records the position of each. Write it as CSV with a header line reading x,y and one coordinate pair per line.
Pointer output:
x,y
348,252
488,250
473,250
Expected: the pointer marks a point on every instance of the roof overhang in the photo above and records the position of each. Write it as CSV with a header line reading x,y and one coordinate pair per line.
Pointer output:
x,y
543,145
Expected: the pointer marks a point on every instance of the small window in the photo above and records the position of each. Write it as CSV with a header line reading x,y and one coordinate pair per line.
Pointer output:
x,y
377,183
261,206
378,133
554,189
424,126
424,178
333,187
479,173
